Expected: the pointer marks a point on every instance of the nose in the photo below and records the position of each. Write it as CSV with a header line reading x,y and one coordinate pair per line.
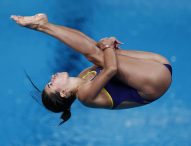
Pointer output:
x,y
53,77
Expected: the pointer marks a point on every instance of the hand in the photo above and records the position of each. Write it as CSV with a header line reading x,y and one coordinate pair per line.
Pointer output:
x,y
111,42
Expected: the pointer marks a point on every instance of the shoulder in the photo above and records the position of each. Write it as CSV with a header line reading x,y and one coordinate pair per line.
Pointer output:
x,y
82,93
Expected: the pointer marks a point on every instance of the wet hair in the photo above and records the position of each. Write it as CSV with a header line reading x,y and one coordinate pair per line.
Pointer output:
x,y
55,103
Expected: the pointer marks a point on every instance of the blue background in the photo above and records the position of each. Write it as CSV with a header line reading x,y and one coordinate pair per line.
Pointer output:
x,y
163,27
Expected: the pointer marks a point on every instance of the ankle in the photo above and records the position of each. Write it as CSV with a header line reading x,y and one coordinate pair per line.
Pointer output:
x,y
44,27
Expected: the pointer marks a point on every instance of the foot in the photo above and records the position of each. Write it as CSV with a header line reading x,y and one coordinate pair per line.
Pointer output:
x,y
33,22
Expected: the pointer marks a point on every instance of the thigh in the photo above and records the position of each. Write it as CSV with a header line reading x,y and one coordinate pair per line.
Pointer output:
x,y
143,55
149,77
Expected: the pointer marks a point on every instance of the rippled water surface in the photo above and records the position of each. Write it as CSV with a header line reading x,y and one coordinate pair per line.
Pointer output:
x,y
150,25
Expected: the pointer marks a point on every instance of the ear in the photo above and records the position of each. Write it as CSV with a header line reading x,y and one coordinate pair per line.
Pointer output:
x,y
63,93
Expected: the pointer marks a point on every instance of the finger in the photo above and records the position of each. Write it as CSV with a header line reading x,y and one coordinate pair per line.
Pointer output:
x,y
118,42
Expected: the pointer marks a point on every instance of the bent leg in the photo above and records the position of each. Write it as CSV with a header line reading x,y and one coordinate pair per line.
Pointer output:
x,y
143,55
149,77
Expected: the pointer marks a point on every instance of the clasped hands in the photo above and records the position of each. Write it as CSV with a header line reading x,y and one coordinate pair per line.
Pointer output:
x,y
110,42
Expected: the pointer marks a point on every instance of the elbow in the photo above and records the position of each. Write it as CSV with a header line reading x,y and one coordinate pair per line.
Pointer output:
x,y
83,97
85,100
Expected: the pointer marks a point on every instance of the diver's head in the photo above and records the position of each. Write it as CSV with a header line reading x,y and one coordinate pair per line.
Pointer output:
x,y
60,83
59,94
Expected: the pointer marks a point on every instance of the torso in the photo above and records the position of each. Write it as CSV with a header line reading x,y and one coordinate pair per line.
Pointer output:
x,y
107,101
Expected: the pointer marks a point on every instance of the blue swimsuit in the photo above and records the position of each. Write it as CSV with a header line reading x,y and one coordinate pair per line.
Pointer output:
x,y
120,92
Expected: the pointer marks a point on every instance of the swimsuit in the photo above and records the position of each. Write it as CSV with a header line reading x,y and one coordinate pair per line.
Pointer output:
x,y
169,68
119,92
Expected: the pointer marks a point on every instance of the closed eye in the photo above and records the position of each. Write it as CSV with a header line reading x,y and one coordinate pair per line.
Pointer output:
x,y
49,84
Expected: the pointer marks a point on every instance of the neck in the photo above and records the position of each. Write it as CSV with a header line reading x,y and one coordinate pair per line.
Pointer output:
x,y
76,83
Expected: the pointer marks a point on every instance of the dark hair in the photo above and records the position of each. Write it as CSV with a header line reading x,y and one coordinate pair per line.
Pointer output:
x,y
55,103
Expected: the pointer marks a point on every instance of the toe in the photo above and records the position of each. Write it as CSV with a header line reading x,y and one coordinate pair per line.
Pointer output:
x,y
13,17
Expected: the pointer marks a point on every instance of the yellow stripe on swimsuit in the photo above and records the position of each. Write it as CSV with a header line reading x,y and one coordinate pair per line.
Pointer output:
x,y
84,76
108,95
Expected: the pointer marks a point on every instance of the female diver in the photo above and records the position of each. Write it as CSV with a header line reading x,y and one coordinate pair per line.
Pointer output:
x,y
119,79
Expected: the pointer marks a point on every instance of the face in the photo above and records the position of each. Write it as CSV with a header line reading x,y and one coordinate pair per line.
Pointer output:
x,y
57,83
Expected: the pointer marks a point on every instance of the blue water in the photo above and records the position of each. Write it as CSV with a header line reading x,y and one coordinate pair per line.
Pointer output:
x,y
149,25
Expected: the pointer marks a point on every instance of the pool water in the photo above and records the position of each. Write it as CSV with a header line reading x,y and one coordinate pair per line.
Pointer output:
x,y
161,27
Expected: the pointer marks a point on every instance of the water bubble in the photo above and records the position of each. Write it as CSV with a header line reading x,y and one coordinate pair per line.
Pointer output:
x,y
173,58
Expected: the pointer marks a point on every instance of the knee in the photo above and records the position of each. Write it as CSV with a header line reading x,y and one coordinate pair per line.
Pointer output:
x,y
96,58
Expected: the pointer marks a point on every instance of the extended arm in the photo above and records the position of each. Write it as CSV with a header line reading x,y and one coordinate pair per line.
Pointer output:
x,y
88,92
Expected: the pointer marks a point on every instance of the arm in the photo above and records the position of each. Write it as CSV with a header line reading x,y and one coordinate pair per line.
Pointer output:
x,y
88,92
